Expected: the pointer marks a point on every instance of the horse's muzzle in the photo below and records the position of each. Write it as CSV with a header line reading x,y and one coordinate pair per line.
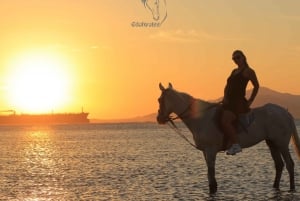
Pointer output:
x,y
161,119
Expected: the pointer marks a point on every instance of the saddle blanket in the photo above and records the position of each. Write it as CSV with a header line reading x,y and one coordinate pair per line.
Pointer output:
x,y
245,120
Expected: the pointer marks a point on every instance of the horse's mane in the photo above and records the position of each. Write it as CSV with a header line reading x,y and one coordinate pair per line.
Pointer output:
x,y
204,104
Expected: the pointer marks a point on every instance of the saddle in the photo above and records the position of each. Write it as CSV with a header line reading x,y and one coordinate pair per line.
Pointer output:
x,y
242,123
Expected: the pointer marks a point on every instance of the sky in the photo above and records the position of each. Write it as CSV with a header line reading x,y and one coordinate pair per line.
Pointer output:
x,y
104,64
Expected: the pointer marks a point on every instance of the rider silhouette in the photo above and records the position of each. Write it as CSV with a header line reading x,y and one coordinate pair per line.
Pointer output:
x,y
234,101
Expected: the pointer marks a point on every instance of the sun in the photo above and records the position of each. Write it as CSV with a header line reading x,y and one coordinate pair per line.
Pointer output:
x,y
38,82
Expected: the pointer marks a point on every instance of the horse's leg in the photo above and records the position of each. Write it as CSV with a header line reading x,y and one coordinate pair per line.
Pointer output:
x,y
210,158
278,163
289,166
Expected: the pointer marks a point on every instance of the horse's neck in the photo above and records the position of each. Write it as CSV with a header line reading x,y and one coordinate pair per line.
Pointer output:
x,y
182,102
197,106
198,109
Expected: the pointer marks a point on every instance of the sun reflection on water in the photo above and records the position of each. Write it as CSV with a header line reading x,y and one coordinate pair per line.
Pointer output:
x,y
39,152
41,173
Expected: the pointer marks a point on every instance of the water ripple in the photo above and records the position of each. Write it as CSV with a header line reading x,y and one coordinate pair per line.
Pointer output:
x,y
127,162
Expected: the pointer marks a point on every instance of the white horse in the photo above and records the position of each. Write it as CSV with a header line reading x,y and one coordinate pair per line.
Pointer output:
x,y
157,8
272,123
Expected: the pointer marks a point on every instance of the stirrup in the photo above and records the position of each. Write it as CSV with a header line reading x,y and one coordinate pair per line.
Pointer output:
x,y
234,149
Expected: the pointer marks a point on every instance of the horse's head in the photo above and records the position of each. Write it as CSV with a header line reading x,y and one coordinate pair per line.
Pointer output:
x,y
157,8
172,101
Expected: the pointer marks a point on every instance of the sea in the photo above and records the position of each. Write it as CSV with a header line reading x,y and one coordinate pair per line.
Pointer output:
x,y
129,161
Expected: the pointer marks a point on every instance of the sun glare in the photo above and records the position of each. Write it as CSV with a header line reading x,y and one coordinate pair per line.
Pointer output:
x,y
38,82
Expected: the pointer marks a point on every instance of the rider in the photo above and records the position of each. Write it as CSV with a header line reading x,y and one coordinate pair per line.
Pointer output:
x,y
234,101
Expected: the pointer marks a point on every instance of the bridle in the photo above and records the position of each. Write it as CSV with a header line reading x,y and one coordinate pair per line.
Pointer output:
x,y
184,114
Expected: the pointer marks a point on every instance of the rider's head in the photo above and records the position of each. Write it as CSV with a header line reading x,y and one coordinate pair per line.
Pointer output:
x,y
239,58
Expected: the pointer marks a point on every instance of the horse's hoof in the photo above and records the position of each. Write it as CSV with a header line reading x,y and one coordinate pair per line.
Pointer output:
x,y
292,190
212,190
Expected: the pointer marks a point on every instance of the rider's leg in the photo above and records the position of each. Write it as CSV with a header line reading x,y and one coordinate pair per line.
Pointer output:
x,y
227,120
227,125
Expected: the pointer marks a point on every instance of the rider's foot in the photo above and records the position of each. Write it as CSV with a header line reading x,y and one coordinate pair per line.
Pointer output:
x,y
234,149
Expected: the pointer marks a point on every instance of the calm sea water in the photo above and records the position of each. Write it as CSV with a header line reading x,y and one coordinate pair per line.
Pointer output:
x,y
128,162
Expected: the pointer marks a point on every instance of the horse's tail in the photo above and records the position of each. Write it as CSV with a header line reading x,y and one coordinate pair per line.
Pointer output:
x,y
295,136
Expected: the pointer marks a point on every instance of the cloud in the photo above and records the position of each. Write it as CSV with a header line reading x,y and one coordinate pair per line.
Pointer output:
x,y
291,17
177,36
79,48
76,50
94,47
191,35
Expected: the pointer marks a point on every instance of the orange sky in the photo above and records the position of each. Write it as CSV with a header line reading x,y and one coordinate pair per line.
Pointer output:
x,y
114,68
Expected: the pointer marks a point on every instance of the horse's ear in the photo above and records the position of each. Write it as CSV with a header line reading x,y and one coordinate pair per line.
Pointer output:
x,y
170,86
162,88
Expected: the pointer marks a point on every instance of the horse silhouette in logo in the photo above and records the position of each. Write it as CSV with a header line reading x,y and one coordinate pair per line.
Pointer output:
x,y
157,8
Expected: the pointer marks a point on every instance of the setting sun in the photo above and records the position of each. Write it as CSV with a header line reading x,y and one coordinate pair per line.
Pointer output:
x,y
38,82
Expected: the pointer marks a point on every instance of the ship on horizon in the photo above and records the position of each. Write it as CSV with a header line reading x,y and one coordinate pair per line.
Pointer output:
x,y
11,118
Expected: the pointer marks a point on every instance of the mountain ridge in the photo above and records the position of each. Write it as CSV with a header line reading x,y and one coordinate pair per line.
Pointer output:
x,y
265,95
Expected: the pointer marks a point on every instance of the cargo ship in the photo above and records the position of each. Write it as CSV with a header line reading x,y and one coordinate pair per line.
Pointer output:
x,y
9,117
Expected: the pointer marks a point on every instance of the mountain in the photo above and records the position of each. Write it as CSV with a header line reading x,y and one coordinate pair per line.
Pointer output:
x,y
139,119
286,100
265,95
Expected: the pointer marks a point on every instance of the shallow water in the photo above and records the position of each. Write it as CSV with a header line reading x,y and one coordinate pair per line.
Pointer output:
x,y
128,162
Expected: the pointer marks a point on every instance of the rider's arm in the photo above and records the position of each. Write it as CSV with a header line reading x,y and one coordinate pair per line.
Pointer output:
x,y
252,77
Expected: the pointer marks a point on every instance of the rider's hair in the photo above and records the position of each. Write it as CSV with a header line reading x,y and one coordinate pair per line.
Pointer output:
x,y
240,52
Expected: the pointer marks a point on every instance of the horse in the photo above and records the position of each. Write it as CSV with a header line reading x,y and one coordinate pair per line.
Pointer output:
x,y
157,8
272,123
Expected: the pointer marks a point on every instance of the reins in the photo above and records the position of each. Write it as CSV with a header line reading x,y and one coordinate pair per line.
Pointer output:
x,y
178,131
172,125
